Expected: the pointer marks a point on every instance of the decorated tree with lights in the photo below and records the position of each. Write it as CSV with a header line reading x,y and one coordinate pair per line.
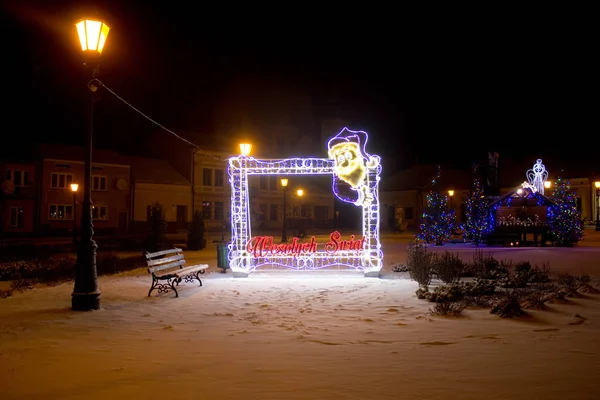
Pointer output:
x,y
564,220
477,220
437,221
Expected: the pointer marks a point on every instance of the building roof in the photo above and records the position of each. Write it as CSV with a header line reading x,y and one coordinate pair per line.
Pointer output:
x,y
520,196
77,153
154,170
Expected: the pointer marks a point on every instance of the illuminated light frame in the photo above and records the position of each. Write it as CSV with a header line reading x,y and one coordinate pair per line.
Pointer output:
x,y
369,260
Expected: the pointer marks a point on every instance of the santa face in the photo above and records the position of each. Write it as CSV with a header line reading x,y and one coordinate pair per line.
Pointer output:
x,y
349,163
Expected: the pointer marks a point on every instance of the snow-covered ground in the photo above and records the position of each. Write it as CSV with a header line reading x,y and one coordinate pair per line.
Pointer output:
x,y
284,335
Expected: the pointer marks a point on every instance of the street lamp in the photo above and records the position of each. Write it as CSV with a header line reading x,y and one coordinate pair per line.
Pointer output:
x,y
451,194
245,149
284,183
597,185
74,188
86,293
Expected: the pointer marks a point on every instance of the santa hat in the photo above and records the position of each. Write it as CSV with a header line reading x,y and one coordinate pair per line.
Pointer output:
x,y
348,136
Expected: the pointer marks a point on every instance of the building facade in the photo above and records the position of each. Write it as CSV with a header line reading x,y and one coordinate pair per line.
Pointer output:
x,y
60,206
19,198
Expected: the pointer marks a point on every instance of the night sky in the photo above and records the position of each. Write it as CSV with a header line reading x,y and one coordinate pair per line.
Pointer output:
x,y
434,86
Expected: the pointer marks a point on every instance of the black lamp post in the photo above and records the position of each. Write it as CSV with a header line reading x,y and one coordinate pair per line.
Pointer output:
x,y
597,184
86,293
74,188
284,183
451,195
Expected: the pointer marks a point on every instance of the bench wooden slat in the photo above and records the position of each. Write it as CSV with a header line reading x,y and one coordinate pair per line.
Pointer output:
x,y
164,260
163,252
179,263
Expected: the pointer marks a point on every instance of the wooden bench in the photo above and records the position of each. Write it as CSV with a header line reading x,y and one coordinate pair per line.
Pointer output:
x,y
168,270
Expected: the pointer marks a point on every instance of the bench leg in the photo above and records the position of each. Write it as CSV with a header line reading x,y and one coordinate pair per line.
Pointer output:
x,y
193,276
164,287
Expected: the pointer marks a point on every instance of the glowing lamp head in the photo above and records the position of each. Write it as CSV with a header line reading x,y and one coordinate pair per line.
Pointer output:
x,y
284,182
74,187
450,193
245,149
597,184
92,35
547,184
300,192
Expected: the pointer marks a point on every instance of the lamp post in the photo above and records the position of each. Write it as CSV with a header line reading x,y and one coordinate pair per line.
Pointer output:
x,y
86,293
451,194
74,188
284,183
597,185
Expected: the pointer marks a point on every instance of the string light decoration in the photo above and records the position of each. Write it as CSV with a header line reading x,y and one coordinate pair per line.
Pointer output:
x,y
437,221
478,221
565,224
537,176
363,254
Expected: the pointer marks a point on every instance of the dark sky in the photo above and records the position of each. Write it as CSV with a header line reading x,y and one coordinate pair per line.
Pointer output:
x,y
433,85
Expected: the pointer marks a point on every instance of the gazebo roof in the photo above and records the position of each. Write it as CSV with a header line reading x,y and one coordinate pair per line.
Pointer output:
x,y
523,196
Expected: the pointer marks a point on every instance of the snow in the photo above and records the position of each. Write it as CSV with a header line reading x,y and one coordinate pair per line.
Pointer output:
x,y
287,335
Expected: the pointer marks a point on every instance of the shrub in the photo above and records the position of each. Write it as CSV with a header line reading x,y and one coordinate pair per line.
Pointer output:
x,y
447,309
509,306
195,240
483,264
445,294
157,226
449,267
420,263
535,298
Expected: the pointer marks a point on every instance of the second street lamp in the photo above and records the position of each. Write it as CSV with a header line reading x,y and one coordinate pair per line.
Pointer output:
x,y
597,185
86,293
284,183
74,188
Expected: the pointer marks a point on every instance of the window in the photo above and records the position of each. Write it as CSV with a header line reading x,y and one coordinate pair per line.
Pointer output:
x,y
18,177
219,207
409,213
206,210
219,177
99,213
60,180
16,217
273,183
98,182
264,182
273,212
207,177
262,212
60,211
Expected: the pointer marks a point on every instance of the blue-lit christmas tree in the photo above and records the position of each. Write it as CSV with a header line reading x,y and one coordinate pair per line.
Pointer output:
x,y
477,219
437,222
564,221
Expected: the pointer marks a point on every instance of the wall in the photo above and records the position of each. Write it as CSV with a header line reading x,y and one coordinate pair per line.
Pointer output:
x,y
115,199
169,196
